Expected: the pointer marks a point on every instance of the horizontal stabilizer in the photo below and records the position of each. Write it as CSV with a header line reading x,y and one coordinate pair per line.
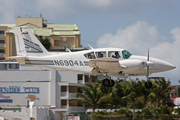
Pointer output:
x,y
17,57
20,59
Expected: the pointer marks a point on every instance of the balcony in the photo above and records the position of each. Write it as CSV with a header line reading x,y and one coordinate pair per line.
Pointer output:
x,y
2,55
80,81
2,35
64,94
71,95
2,45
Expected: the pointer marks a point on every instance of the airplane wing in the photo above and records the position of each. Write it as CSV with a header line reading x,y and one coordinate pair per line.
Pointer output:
x,y
105,65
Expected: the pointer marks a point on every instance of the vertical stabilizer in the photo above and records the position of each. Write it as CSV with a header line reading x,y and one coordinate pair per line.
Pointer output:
x,y
27,44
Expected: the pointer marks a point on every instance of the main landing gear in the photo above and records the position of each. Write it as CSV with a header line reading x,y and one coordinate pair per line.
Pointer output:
x,y
148,85
108,82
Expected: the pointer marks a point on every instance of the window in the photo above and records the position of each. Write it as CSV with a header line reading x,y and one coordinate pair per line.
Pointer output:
x,y
13,66
100,54
2,41
9,66
80,76
126,54
90,55
3,66
114,54
1,32
17,66
2,59
2,51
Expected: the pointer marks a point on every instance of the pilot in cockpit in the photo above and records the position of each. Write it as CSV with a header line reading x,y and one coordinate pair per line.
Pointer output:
x,y
89,56
100,55
117,55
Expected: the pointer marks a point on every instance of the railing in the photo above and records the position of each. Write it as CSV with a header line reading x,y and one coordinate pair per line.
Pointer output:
x,y
63,94
80,81
71,95
2,45
2,35
2,54
64,106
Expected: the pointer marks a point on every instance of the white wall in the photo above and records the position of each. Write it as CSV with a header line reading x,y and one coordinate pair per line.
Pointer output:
x,y
24,75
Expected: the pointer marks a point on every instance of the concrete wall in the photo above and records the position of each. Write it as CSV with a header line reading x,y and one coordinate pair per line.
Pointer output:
x,y
25,75
69,76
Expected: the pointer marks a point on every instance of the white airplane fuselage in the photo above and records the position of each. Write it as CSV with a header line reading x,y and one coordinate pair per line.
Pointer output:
x,y
114,62
76,61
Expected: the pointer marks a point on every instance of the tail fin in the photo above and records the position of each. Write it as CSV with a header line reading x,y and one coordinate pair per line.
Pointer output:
x,y
27,44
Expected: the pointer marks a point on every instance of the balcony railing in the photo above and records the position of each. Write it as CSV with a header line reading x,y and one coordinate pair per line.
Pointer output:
x,y
63,94
2,35
2,45
71,95
80,81
2,54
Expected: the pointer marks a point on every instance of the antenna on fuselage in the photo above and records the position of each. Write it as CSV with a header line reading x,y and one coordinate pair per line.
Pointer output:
x,y
67,49
90,47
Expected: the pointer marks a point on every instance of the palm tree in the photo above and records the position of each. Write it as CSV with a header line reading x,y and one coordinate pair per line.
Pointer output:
x,y
162,91
45,42
133,91
145,93
92,96
117,93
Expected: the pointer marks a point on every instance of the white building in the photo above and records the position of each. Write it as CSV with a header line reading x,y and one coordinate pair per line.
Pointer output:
x,y
52,91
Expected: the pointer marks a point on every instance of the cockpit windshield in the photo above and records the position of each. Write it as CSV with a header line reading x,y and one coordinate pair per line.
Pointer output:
x,y
126,54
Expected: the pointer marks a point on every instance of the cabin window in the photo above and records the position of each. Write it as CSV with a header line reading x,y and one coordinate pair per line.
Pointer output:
x,y
100,54
90,55
126,54
114,54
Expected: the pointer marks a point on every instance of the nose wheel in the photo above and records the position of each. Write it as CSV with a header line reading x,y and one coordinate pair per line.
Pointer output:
x,y
108,82
148,85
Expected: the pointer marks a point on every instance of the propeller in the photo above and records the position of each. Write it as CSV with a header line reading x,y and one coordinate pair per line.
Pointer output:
x,y
148,84
147,66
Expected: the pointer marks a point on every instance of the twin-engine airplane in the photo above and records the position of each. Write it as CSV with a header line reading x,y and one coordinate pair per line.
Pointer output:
x,y
114,62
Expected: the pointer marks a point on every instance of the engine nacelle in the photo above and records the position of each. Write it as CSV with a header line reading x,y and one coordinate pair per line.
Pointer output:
x,y
132,65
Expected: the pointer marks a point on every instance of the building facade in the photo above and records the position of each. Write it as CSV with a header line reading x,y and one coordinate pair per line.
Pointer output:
x,y
52,91
60,36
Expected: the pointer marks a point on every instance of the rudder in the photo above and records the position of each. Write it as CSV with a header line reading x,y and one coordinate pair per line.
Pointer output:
x,y
27,44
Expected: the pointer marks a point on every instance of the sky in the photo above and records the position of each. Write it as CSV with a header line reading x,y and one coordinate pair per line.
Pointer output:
x,y
135,25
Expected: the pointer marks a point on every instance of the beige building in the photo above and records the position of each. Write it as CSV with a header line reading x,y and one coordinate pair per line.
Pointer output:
x,y
59,35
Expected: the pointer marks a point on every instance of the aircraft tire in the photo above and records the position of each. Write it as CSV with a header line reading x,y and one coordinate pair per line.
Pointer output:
x,y
148,85
106,82
111,83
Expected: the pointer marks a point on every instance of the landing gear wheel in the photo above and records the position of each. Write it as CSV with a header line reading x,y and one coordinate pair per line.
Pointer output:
x,y
148,85
106,82
111,83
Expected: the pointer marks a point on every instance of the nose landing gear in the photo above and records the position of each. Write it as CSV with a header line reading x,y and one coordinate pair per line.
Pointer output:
x,y
148,85
108,82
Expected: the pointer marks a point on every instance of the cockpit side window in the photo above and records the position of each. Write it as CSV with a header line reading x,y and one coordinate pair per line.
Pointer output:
x,y
126,54
90,55
100,54
114,54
